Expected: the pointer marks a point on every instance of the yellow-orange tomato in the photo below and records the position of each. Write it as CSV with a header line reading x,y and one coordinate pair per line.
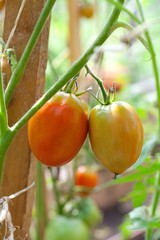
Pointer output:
x,y
116,135
58,130
86,10
2,2
85,177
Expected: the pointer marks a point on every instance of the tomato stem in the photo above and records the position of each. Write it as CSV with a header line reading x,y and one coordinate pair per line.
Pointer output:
x,y
121,7
148,235
114,92
3,111
128,27
56,192
115,176
41,216
100,83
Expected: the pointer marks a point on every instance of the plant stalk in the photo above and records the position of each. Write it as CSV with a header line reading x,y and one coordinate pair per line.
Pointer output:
x,y
3,111
149,231
100,83
56,192
40,205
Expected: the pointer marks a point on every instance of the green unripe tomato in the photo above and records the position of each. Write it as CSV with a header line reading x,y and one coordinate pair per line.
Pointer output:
x,y
65,228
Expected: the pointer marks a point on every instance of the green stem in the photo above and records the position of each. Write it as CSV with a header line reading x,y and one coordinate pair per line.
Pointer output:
x,y
4,129
128,27
100,83
72,71
148,235
40,205
121,7
3,111
56,192
18,72
5,141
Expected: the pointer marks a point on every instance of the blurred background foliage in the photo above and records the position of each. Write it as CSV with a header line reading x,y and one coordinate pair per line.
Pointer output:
x,y
130,66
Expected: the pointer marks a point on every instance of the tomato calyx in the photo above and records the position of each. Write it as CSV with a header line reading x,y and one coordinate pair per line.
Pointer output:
x,y
71,86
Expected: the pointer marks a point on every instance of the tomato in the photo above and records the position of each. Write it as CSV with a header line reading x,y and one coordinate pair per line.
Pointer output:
x,y
85,177
86,10
89,212
58,130
116,135
118,74
2,2
110,80
62,228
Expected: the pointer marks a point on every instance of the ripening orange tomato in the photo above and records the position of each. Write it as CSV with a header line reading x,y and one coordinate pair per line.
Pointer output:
x,y
58,130
116,135
85,177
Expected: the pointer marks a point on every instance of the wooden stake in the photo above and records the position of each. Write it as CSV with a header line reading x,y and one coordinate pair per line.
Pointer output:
x,y
74,30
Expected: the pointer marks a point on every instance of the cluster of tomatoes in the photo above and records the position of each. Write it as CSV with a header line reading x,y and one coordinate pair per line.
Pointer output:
x,y
58,130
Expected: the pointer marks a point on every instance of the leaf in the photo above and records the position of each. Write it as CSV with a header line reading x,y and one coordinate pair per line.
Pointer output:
x,y
129,178
124,228
140,219
141,223
141,172
147,147
138,213
140,192
156,235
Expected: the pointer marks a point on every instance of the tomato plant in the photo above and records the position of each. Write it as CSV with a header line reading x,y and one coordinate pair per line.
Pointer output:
x,y
58,130
67,228
116,135
85,177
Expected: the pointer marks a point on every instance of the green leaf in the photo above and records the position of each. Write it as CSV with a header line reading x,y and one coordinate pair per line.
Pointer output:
x,y
140,219
125,232
140,192
147,147
150,180
156,235
141,172
138,213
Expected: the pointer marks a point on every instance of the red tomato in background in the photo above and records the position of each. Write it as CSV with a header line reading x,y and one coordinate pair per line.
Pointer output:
x,y
85,177
116,135
58,130
118,74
